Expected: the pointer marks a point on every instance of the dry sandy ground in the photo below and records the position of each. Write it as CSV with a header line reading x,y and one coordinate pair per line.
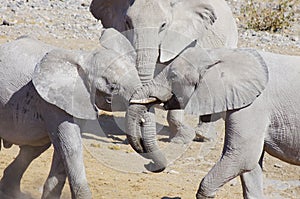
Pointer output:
x,y
115,171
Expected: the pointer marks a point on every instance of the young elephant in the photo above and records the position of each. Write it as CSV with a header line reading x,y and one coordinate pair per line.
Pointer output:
x,y
257,90
44,90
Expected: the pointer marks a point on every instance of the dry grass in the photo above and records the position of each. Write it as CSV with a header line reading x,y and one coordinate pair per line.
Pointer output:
x,y
268,15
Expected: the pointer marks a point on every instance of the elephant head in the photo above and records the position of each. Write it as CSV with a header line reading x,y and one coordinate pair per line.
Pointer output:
x,y
202,82
160,30
76,81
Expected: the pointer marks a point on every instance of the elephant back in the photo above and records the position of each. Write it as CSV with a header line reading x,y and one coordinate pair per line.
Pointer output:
x,y
17,62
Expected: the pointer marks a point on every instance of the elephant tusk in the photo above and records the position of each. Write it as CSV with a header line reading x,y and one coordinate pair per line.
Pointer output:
x,y
143,120
143,101
98,110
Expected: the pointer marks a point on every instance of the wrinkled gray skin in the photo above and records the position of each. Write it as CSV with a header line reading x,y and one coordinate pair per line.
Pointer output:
x,y
257,90
40,105
160,29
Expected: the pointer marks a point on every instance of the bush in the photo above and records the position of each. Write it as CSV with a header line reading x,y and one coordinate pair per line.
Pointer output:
x,y
268,15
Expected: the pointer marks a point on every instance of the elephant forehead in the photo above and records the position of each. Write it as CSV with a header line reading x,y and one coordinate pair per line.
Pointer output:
x,y
118,66
115,71
141,13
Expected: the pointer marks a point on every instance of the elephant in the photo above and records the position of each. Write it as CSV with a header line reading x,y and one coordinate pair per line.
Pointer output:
x,y
45,92
256,90
160,30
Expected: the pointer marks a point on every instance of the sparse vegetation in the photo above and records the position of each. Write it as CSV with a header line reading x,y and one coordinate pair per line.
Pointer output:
x,y
114,147
268,15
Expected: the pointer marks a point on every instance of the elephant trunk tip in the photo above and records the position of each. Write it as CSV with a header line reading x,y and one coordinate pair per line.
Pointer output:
x,y
154,168
159,161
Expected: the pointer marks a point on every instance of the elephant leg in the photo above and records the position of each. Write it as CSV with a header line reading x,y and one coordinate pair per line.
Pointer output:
x,y
180,133
56,179
243,146
67,142
14,172
206,128
252,181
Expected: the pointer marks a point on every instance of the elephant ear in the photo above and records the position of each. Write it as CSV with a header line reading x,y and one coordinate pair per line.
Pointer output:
x,y
231,83
189,22
112,13
112,39
59,80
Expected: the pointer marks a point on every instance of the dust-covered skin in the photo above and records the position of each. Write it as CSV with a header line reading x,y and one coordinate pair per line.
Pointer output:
x,y
242,83
45,90
153,36
75,28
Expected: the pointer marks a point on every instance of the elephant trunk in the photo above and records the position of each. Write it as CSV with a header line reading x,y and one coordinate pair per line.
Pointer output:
x,y
141,134
131,83
133,128
140,124
146,44
159,87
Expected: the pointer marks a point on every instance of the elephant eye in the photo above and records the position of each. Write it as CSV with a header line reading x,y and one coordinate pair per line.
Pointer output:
x,y
163,26
113,88
173,76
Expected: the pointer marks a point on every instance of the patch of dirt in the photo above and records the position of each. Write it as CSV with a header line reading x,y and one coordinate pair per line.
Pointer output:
x,y
114,170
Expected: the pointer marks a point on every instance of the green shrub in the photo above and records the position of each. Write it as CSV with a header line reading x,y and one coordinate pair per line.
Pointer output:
x,y
268,15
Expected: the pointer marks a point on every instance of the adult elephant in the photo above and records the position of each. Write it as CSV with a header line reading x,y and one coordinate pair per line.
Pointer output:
x,y
44,91
258,92
160,30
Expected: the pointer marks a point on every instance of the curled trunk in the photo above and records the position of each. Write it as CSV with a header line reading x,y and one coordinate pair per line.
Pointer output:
x,y
141,134
140,124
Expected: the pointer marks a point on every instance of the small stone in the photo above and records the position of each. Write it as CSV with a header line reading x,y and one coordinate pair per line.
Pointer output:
x,y
294,38
233,182
277,166
84,4
266,39
6,23
173,172
190,159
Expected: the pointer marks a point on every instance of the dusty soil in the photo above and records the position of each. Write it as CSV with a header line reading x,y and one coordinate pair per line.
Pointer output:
x,y
113,169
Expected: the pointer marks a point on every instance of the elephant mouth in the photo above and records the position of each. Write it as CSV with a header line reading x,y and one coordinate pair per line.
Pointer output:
x,y
172,103
103,101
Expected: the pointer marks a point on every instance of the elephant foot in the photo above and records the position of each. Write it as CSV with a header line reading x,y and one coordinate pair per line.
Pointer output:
x,y
183,135
9,193
14,195
200,196
205,132
5,196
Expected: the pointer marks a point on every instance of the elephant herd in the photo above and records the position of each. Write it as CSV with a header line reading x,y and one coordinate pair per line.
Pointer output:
x,y
183,57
